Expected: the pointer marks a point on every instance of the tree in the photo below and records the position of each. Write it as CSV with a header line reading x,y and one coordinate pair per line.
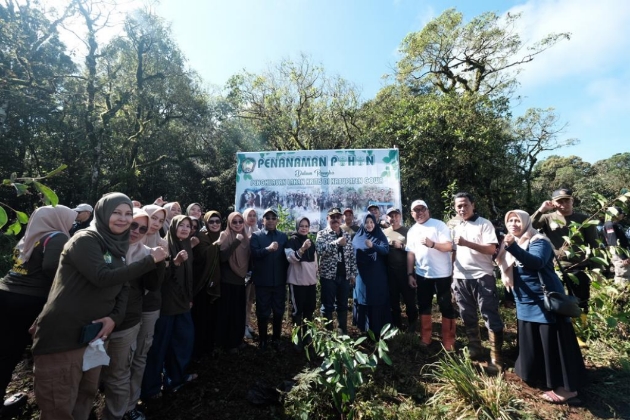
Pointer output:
x,y
482,56
294,105
534,133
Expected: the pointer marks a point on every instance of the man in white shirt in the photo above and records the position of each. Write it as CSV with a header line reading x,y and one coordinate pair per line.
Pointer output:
x,y
475,287
429,270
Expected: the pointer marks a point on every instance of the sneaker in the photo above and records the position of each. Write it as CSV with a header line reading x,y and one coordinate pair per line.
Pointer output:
x,y
134,415
248,334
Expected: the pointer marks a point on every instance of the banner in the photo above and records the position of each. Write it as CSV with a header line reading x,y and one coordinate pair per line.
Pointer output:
x,y
308,183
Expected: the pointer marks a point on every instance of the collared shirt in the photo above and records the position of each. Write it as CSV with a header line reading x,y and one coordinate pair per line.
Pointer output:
x,y
330,254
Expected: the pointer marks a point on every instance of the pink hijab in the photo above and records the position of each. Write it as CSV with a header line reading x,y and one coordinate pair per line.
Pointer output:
x,y
43,221
139,250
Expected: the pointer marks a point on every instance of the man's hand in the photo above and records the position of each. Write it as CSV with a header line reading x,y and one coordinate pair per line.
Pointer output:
x,y
342,241
273,246
412,282
546,206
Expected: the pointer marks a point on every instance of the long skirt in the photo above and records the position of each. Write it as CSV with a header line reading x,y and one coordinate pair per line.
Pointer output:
x,y
231,316
549,355
371,317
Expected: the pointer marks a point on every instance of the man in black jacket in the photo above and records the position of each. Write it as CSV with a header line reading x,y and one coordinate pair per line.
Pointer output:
x,y
84,217
269,275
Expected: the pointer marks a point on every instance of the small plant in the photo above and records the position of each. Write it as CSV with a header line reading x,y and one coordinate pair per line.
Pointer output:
x,y
465,391
345,361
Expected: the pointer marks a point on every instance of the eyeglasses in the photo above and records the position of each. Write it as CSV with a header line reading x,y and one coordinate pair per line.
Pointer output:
x,y
420,210
214,222
237,222
271,218
141,229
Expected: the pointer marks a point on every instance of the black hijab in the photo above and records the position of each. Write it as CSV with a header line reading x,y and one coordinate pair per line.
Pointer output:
x,y
296,241
183,273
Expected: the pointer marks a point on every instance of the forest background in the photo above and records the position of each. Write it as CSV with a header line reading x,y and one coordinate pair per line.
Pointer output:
x,y
130,115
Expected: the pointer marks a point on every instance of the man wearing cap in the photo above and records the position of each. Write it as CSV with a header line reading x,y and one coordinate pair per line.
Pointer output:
x,y
337,269
555,226
376,212
475,241
84,217
429,270
397,271
348,222
270,276
615,237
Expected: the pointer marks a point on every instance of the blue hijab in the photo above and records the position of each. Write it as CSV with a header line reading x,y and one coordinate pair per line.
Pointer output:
x,y
376,236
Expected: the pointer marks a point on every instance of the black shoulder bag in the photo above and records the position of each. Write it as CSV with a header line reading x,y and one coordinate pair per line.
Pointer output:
x,y
559,303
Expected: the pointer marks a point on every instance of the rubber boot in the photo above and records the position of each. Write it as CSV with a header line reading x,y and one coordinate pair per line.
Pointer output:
x,y
496,342
426,329
448,333
262,333
475,350
342,322
583,322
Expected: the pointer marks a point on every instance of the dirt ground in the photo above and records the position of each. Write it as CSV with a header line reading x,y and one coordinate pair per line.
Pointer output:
x,y
225,379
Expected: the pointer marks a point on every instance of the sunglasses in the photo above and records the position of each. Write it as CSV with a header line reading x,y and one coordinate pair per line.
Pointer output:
x,y
214,222
420,210
141,229
237,222
271,218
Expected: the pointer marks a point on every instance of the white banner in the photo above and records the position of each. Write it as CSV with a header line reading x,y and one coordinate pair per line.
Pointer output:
x,y
308,183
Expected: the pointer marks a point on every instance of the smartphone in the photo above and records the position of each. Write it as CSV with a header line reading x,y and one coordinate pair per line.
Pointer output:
x,y
89,332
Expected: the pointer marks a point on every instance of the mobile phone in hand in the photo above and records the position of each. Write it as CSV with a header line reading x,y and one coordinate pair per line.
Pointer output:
x,y
89,332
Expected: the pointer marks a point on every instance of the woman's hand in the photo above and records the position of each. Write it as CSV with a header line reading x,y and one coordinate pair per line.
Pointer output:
x,y
306,245
194,241
509,239
508,283
159,254
368,243
108,327
239,237
181,257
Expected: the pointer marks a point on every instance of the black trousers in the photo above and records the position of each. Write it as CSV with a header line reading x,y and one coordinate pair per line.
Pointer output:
x,y
441,287
398,282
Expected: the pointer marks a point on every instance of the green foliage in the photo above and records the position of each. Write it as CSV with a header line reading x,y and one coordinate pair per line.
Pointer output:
x,y
466,391
345,362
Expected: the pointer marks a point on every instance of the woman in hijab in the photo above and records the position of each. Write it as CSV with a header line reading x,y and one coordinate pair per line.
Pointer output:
x,y
234,252
123,341
548,349
195,210
302,276
23,291
251,227
172,209
371,310
208,277
89,288
151,304
172,347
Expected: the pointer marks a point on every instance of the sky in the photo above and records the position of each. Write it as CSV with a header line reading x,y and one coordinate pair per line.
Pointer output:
x,y
586,79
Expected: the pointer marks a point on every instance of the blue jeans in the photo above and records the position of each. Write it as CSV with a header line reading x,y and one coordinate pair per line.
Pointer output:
x,y
334,297
170,353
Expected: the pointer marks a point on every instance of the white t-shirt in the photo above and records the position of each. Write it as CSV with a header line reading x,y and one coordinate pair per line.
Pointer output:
x,y
471,264
430,262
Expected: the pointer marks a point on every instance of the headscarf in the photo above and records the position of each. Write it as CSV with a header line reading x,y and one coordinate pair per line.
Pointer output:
x,y
199,219
206,260
139,250
167,220
199,226
154,240
296,241
43,221
376,236
183,273
99,228
239,260
506,260
250,230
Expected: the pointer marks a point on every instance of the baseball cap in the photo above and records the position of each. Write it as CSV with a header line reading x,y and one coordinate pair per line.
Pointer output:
x,y
334,210
271,210
347,209
83,207
561,193
372,205
417,203
393,210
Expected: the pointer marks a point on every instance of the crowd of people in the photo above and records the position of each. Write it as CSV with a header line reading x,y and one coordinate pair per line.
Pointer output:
x,y
126,296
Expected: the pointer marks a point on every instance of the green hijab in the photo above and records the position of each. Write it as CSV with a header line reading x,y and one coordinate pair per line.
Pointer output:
x,y
117,245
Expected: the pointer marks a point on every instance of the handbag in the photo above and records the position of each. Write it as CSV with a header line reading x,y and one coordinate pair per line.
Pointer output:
x,y
559,303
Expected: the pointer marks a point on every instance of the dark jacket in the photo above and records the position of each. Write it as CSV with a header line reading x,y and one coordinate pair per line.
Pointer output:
x,y
270,268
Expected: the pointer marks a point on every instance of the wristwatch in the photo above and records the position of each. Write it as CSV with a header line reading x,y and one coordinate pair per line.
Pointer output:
x,y
411,274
